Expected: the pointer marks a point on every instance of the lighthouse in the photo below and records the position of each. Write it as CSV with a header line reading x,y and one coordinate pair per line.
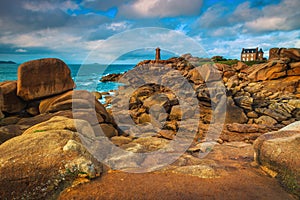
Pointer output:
x,y
157,55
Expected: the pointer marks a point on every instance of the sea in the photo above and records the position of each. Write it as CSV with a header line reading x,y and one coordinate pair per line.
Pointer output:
x,y
87,77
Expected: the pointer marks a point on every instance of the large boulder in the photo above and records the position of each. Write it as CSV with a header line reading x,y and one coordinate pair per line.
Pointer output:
x,y
42,78
43,162
79,101
278,154
291,54
11,103
268,71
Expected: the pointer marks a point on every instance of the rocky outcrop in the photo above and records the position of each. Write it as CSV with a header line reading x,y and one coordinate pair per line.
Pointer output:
x,y
49,95
46,159
291,54
278,154
111,78
11,103
42,78
268,71
160,102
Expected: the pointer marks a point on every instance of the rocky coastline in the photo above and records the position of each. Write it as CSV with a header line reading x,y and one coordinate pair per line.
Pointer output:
x,y
47,127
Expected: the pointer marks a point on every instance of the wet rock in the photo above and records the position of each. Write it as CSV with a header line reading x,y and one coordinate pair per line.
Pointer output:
x,y
97,95
111,78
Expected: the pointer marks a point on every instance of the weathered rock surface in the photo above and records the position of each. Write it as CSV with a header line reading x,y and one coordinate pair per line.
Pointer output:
x,y
78,101
234,113
111,78
278,153
11,103
44,161
43,78
268,71
290,54
10,131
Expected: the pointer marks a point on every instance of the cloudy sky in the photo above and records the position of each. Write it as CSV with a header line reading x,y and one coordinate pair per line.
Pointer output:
x,y
72,29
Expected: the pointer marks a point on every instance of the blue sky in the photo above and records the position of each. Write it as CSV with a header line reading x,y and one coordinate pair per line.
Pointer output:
x,y
72,29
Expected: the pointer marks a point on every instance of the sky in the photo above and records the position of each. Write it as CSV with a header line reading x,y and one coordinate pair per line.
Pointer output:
x,y
129,30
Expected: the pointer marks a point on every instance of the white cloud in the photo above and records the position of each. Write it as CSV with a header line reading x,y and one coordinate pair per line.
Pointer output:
x,y
161,8
51,38
283,16
227,31
244,12
268,24
21,51
213,17
46,6
118,26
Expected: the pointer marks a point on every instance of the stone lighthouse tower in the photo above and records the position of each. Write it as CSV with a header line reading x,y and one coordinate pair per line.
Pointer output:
x,y
157,55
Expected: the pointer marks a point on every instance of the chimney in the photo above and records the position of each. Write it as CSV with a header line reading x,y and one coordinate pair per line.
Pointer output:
x,y
157,56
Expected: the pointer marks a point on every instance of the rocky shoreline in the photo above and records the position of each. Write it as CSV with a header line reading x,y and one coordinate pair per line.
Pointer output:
x,y
49,132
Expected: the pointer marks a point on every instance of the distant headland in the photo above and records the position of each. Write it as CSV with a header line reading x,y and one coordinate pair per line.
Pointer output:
x,y
7,62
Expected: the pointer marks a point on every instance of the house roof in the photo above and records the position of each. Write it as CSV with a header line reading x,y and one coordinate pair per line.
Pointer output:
x,y
252,50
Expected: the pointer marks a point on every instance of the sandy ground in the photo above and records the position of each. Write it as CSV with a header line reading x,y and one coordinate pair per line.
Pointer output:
x,y
242,180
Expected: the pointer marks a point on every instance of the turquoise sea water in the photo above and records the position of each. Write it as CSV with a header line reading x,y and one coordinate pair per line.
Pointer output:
x,y
86,77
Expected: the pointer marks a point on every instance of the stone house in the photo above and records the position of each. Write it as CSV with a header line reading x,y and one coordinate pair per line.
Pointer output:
x,y
252,54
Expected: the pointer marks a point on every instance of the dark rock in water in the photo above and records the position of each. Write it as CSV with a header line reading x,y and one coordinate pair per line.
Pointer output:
x,y
111,78
7,62
11,103
97,95
42,78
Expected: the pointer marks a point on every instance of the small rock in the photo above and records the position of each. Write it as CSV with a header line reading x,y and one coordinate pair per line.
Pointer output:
x,y
266,120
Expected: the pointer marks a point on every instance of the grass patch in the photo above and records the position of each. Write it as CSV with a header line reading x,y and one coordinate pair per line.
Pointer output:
x,y
228,62
250,63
